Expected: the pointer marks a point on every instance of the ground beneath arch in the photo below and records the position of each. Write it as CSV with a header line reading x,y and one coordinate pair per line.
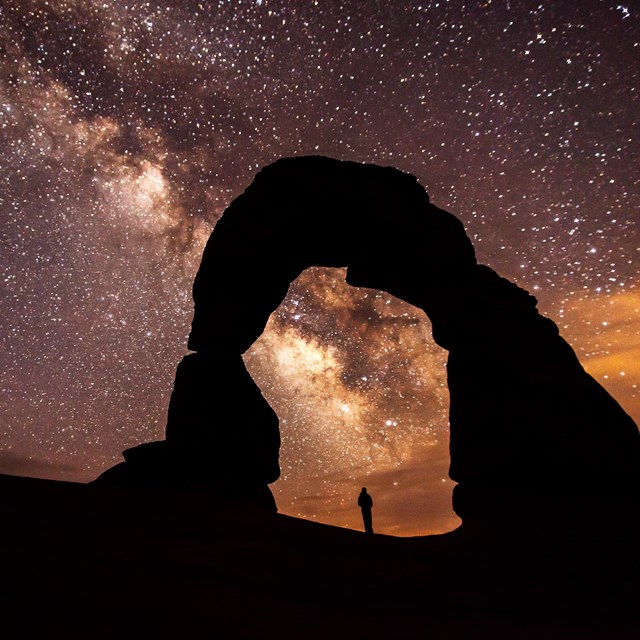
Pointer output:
x,y
105,562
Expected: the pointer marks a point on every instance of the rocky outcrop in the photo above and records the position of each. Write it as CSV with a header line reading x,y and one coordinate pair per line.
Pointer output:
x,y
222,436
529,427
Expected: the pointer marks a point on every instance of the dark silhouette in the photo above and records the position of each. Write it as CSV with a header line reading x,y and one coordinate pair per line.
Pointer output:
x,y
529,427
365,502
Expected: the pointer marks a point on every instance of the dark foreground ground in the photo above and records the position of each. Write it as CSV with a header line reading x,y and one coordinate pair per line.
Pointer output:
x,y
79,561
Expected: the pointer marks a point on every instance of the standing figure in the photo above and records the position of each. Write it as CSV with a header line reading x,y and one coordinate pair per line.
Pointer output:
x,y
365,502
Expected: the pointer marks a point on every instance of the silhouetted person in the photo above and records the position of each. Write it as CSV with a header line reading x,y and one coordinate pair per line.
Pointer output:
x,y
365,502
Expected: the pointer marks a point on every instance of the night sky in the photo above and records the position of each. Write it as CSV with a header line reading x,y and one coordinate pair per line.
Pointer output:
x,y
127,128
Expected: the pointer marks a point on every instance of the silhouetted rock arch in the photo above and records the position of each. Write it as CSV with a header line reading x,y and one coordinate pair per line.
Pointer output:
x,y
529,427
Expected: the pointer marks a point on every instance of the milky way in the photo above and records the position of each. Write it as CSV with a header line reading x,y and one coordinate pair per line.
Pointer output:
x,y
127,128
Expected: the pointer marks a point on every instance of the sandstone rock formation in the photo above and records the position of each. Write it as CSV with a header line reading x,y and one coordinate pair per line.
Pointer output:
x,y
222,436
529,427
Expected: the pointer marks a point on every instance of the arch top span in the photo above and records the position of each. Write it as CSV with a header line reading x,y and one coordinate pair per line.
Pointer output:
x,y
315,211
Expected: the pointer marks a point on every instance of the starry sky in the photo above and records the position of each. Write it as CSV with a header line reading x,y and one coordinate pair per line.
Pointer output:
x,y
127,127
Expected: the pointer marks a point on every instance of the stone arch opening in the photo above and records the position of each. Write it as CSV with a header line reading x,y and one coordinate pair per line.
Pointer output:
x,y
360,388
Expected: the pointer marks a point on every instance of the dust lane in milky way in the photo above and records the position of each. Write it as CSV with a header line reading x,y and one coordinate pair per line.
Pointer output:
x,y
128,127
